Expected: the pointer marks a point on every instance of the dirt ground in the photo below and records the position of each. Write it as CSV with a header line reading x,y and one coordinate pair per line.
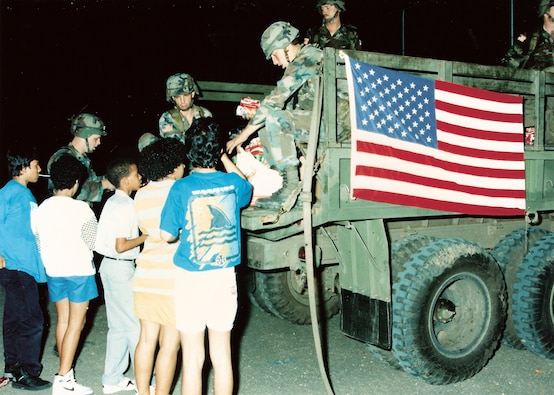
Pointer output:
x,y
276,357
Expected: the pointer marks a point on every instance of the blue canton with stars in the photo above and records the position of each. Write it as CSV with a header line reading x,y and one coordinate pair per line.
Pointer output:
x,y
395,104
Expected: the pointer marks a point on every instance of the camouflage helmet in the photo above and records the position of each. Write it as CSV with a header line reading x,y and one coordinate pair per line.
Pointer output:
x,y
544,6
277,35
85,125
337,3
180,84
145,140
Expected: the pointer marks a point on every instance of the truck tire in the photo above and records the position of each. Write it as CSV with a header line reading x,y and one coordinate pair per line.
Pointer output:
x,y
509,253
401,252
533,299
403,249
254,294
285,295
449,308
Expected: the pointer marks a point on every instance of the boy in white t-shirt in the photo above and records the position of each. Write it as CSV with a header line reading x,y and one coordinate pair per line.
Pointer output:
x,y
66,232
118,240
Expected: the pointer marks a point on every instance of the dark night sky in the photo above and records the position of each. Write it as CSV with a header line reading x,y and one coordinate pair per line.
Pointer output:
x,y
113,57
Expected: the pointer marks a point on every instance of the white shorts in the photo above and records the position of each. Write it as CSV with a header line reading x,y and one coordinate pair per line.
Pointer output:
x,y
205,299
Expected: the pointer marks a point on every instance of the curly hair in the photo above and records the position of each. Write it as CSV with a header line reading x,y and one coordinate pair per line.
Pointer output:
x,y
160,158
65,171
203,143
17,161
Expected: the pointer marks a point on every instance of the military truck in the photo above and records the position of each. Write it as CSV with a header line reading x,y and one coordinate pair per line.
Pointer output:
x,y
431,292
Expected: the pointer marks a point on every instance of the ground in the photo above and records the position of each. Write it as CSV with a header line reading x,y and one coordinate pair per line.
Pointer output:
x,y
276,357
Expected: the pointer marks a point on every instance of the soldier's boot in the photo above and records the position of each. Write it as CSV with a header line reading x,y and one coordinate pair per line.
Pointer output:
x,y
288,190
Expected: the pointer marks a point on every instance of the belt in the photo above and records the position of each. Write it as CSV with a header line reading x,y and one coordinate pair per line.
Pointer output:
x,y
119,259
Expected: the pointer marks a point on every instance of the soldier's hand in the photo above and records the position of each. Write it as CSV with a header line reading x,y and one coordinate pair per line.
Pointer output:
x,y
235,142
2,262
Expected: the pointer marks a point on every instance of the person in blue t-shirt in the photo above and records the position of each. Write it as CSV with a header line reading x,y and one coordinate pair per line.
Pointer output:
x,y
203,210
21,269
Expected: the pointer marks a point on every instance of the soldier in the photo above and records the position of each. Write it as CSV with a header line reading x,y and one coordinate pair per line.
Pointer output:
x,y
181,89
87,130
286,111
332,32
535,51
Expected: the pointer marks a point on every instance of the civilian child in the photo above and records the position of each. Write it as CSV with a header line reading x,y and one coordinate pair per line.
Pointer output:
x,y
66,232
118,240
161,162
21,270
204,209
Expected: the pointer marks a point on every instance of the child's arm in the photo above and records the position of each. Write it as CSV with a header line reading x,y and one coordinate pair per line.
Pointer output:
x,y
168,236
230,167
122,244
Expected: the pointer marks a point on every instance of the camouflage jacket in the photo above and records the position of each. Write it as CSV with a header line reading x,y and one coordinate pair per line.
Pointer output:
x,y
295,89
91,190
346,37
171,123
534,52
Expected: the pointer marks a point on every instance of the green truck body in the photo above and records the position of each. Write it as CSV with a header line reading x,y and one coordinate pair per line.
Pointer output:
x,y
431,291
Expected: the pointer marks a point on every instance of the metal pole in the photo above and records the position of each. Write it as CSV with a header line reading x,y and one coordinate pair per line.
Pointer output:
x,y
511,22
403,23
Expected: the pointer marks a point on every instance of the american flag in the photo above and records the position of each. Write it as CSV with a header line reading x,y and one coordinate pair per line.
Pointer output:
x,y
434,144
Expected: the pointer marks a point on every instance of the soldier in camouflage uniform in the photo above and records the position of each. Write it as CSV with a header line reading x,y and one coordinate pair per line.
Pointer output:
x,y
286,111
181,89
536,52
87,130
332,32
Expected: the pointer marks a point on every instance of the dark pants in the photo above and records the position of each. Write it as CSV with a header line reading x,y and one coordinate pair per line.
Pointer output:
x,y
23,321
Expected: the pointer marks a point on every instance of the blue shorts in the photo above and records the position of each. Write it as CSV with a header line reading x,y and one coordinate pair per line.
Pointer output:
x,y
77,289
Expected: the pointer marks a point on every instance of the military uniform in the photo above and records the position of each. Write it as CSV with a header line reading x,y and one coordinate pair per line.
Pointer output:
x,y
286,110
534,52
172,124
83,125
91,190
346,37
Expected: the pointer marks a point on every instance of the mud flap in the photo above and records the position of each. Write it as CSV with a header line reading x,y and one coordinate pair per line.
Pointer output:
x,y
366,319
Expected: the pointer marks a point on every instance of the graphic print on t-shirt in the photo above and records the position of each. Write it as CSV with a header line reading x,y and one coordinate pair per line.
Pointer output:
x,y
211,216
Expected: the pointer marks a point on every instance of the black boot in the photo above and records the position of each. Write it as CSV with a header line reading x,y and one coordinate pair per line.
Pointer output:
x,y
289,189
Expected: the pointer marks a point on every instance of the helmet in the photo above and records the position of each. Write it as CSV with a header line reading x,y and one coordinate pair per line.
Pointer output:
x,y
276,36
337,3
544,5
180,84
145,140
84,125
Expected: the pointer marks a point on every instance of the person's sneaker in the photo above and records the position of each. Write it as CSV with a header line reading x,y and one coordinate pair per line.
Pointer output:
x,y
11,370
4,381
65,385
124,385
23,381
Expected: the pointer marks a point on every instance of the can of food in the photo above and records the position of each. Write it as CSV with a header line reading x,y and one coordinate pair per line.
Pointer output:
x,y
247,107
249,103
